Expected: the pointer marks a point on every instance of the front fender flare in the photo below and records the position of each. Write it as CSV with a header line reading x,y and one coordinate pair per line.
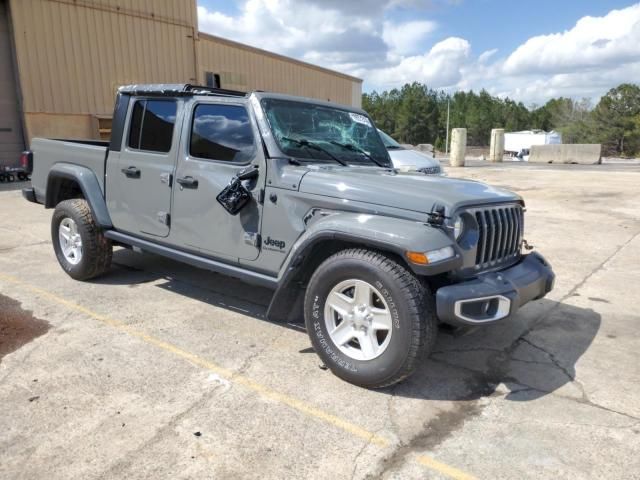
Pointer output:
x,y
378,232
88,183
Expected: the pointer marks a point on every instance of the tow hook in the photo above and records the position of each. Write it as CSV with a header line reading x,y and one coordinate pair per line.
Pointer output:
x,y
526,245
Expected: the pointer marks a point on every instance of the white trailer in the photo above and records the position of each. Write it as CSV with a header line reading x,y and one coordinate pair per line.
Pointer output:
x,y
519,143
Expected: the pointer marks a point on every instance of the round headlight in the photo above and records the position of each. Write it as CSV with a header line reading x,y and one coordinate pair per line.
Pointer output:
x,y
458,227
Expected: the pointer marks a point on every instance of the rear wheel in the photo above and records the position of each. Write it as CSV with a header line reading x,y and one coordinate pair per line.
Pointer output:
x,y
369,318
81,248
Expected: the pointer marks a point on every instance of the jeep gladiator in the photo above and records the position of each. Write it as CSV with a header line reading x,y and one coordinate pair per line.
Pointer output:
x,y
297,195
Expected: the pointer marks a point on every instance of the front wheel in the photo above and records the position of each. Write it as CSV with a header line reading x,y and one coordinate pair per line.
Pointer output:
x,y
81,248
369,318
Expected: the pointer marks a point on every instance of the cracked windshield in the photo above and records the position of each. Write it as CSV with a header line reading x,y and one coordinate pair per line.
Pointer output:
x,y
321,133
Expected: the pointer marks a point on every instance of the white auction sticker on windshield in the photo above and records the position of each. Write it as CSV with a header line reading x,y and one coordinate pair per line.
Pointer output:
x,y
356,117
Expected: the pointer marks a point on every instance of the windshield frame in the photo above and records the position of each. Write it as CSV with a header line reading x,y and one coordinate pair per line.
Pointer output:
x,y
382,155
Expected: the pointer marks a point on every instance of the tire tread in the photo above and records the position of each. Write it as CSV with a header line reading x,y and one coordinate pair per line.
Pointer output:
x,y
419,300
96,249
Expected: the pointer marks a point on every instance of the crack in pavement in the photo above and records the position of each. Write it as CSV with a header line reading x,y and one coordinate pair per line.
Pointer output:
x,y
129,457
16,247
444,425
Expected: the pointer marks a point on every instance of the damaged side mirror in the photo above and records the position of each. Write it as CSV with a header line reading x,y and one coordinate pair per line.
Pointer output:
x,y
235,195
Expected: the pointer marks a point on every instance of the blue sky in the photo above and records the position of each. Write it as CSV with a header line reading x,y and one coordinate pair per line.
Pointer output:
x,y
530,51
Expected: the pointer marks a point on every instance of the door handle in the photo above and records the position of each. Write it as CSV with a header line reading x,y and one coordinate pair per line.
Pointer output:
x,y
188,182
131,172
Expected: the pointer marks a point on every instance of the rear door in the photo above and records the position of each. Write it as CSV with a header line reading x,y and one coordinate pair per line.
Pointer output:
x,y
220,138
139,177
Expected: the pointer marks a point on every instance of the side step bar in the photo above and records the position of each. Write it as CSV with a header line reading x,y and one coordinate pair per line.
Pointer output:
x,y
235,271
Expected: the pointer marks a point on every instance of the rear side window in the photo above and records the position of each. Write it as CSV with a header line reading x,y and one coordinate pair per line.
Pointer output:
x,y
152,124
222,132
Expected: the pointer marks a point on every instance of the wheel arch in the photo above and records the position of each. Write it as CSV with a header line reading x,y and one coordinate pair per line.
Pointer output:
x,y
340,231
66,181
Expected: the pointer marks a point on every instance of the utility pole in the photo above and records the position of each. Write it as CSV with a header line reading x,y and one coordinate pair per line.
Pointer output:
x,y
446,147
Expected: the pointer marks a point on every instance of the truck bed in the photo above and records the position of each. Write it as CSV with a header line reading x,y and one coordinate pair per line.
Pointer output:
x,y
49,152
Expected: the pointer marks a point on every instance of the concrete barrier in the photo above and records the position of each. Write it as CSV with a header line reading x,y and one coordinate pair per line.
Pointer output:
x,y
424,147
458,147
496,151
583,153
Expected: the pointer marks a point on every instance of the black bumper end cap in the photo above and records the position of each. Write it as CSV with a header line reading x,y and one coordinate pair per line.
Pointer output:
x,y
29,194
530,279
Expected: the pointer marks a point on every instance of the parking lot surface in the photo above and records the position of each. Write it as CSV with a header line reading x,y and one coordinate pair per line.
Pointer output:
x,y
160,370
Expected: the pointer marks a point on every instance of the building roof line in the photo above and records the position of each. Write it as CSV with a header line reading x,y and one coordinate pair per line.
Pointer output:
x,y
244,46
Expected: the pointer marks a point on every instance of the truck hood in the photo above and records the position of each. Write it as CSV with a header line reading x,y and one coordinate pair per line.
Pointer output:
x,y
407,191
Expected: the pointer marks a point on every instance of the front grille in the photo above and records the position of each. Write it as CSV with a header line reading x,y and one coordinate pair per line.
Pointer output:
x,y
500,230
430,170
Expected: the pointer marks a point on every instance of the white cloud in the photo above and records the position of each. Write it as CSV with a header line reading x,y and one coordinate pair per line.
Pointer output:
x,y
594,42
404,38
439,67
333,33
365,39
485,56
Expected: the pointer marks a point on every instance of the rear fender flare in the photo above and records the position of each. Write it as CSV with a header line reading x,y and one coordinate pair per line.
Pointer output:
x,y
88,183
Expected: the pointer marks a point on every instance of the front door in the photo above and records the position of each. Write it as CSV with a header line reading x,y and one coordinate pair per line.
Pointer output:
x,y
219,139
139,177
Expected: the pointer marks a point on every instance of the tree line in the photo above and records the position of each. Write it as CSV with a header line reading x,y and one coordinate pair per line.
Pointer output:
x,y
417,114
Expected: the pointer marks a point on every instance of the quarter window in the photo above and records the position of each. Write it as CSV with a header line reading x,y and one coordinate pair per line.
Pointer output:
x,y
152,124
222,132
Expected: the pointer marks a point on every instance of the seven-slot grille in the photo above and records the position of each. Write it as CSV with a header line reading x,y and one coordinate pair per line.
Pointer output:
x,y
500,230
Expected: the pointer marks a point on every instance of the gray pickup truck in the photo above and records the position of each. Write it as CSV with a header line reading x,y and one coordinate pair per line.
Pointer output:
x,y
300,196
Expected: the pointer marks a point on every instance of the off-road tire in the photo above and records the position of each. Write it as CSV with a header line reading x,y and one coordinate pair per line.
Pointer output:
x,y
412,305
96,249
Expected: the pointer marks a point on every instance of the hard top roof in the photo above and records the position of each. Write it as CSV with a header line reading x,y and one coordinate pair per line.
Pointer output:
x,y
186,89
177,89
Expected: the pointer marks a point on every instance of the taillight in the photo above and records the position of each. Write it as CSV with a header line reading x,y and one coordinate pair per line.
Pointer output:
x,y
26,161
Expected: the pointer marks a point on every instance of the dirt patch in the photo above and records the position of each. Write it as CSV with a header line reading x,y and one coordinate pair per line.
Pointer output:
x,y
17,326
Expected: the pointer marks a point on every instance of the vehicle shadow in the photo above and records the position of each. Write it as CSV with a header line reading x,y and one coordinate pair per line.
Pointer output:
x,y
527,357
133,269
532,355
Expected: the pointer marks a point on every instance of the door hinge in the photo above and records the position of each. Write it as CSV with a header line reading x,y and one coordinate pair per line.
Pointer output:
x,y
164,217
261,196
252,238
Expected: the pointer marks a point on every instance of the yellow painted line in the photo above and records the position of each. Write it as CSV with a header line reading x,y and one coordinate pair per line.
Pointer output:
x,y
443,468
263,390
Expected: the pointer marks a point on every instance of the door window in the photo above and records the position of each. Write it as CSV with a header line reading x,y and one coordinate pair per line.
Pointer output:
x,y
222,132
152,124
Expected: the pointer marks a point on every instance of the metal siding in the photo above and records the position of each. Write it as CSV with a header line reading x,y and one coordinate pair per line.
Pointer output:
x,y
76,68
72,55
11,139
264,71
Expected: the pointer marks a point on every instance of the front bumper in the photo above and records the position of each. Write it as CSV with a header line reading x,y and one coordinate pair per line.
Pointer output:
x,y
495,296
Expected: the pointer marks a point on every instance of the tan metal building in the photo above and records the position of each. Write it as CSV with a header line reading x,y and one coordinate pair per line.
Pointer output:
x,y
61,62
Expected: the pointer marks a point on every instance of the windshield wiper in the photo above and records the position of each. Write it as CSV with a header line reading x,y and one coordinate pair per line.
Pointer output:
x,y
306,143
353,148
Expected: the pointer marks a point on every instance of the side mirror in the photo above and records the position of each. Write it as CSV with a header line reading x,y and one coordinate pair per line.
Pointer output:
x,y
248,173
235,196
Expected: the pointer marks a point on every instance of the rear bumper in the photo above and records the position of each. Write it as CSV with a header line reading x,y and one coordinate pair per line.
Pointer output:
x,y
495,296
29,194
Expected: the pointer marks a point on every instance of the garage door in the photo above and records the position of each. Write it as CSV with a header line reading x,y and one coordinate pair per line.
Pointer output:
x,y
11,139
